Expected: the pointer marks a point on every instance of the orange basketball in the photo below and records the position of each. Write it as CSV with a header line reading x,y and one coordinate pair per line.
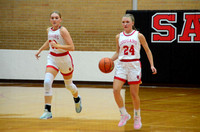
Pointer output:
x,y
106,65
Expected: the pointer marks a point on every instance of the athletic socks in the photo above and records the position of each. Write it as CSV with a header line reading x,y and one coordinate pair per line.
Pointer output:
x,y
123,111
48,107
136,113
76,100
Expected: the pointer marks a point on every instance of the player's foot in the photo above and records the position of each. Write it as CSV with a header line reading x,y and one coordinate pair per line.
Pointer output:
x,y
78,106
46,115
137,123
124,119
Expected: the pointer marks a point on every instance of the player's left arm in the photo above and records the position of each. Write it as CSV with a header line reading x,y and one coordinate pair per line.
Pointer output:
x,y
68,40
148,51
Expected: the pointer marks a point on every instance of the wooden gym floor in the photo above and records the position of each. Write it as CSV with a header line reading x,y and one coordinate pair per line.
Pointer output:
x,y
163,109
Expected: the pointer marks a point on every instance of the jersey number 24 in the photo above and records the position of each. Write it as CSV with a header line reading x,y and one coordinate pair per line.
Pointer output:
x,y
128,50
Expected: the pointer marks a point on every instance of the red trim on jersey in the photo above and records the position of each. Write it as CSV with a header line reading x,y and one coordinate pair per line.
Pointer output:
x,y
135,82
129,34
129,60
71,60
56,29
121,79
59,54
52,67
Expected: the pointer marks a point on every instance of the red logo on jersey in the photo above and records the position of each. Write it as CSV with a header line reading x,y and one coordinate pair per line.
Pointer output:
x,y
166,32
191,28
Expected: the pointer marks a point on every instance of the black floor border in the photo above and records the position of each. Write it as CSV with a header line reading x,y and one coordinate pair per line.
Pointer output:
x,y
60,83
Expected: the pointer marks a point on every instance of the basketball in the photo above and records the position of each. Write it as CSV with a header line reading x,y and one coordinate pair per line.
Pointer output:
x,y
106,65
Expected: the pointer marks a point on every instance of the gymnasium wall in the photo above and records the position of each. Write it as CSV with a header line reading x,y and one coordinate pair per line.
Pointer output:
x,y
22,65
93,24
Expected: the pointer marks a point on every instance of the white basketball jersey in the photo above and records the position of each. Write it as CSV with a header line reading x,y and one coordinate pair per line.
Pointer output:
x,y
54,35
129,45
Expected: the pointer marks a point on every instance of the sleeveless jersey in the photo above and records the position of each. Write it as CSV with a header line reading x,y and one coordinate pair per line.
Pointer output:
x,y
129,46
54,35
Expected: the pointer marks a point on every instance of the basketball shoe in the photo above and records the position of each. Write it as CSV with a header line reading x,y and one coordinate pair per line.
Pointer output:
x,y
137,123
124,119
46,115
78,106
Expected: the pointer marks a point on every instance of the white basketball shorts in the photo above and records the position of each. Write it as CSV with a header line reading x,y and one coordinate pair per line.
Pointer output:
x,y
129,71
61,62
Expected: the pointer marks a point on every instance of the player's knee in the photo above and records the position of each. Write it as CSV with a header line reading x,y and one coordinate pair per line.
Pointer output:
x,y
116,91
135,96
47,87
71,87
48,84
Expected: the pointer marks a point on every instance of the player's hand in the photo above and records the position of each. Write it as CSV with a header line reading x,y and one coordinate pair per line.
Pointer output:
x,y
37,55
54,44
153,69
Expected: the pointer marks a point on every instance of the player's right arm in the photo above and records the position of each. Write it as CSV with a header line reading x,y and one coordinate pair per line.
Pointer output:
x,y
115,56
43,47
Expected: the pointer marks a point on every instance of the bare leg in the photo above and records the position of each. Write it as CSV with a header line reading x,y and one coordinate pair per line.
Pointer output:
x,y
117,86
75,95
74,90
134,89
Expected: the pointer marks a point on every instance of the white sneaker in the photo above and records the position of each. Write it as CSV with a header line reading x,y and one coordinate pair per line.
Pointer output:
x,y
124,119
46,115
137,123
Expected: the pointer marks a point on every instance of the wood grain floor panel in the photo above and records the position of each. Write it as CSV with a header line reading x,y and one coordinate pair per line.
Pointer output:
x,y
167,109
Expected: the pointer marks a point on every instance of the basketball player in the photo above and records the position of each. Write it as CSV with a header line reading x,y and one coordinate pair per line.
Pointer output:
x,y
60,43
128,44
